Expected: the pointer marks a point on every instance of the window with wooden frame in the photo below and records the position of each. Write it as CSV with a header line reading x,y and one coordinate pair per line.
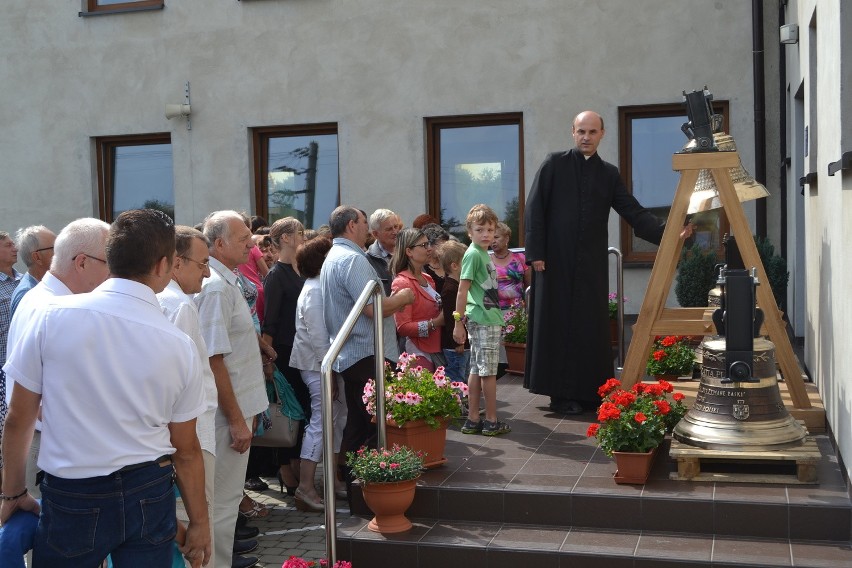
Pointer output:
x,y
106,6
648,135
296,172
476,159
134,172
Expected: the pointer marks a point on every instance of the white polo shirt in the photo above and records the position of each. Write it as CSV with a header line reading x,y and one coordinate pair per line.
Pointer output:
x,y
113,373
40,296
228,330
179,308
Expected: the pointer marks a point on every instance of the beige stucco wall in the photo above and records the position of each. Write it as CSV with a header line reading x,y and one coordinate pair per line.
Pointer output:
x,y
817,62
375,67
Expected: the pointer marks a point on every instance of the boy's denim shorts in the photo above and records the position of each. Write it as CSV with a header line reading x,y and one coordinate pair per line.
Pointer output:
x,y
484,348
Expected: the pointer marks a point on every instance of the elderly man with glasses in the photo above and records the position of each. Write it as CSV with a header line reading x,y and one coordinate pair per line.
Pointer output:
x,y
385,225
35,248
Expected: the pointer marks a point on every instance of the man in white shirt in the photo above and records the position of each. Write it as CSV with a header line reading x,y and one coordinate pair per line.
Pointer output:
x,y
78,266
189,270
121,388
235,358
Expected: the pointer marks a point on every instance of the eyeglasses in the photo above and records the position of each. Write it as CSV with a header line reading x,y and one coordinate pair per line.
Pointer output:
x,y
45,248
425,245
202,265
87,255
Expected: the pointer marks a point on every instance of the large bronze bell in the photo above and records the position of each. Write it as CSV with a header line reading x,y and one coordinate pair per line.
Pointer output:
x,y
739,416
738,406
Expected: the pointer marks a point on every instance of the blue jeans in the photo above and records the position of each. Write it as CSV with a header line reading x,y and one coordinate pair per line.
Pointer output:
x,y
457,364
16,538
128,515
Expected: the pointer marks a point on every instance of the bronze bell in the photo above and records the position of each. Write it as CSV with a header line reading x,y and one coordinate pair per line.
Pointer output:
x,y
739,416
705,195
738,406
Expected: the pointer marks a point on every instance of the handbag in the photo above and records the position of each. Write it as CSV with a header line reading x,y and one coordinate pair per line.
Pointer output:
x,y
285,415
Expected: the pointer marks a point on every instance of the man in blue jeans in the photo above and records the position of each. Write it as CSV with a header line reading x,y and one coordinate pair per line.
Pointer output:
x,y
120,388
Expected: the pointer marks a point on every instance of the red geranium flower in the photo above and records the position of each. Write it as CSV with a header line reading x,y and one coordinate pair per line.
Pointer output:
x,y
659,355
593,429
640,418
663,407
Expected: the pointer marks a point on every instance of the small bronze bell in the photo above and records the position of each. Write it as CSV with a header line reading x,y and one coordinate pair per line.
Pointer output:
x,y
705,196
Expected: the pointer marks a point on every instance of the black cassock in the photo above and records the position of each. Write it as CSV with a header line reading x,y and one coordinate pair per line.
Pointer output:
x,y
568,343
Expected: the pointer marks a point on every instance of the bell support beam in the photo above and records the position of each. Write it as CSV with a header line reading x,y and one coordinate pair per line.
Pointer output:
x,y
654,319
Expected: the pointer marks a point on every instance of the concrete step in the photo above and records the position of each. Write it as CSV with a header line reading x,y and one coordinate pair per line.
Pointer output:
x,y
493,545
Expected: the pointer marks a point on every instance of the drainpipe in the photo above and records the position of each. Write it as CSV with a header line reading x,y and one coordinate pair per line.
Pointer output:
x,y
759,111
783,165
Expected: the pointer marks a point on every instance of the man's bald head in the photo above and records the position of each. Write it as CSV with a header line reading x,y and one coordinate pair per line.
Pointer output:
x,y
588,130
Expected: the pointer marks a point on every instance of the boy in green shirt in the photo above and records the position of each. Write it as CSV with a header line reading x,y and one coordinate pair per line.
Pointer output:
x,y
478,300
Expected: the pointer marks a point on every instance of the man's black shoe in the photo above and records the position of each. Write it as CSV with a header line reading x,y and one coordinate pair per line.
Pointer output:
x,y
568,407
244,546
242,520
245,531
255,484
238,561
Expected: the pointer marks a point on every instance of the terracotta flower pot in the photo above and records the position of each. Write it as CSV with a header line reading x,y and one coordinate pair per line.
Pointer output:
x,y
389,502
633,467
420,437
516,355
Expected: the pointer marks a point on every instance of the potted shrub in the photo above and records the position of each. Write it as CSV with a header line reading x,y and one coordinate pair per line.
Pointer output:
x,y
419,405
671,357
633,423
516,321
388,479
776,269
696,276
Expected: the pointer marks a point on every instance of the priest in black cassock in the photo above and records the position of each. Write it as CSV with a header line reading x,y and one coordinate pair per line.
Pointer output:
x,y
567,211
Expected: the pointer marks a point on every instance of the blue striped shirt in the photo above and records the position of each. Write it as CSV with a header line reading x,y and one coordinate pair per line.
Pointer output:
x,y
344,274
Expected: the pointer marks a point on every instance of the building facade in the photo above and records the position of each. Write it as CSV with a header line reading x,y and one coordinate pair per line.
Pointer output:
x,y
295,106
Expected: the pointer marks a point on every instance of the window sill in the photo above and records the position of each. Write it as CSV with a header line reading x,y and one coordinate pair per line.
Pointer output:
x,y
121,10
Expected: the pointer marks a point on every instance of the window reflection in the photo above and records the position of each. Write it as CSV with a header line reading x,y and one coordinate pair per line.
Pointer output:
x,y
648,136
479,164
302,178
136,173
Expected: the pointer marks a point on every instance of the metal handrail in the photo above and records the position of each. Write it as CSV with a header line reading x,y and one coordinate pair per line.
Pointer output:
x,y
373,290
619,291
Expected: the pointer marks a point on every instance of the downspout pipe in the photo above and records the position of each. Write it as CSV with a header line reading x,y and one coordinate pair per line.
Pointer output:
x,y
782,147
759,111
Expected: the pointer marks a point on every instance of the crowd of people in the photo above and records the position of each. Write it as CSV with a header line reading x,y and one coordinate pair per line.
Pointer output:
x,y
162,347
140,359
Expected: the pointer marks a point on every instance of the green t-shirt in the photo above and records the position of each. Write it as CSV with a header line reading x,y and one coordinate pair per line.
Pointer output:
x,y
483,301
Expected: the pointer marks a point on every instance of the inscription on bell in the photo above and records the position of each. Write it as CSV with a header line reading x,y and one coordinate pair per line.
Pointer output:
x,y
711,391
705,408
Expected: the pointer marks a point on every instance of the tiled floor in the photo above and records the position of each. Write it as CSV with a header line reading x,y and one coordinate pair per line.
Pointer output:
x,y
548,473
546,487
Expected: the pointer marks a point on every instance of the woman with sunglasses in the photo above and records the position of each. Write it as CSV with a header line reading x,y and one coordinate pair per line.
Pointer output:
x,y
419,323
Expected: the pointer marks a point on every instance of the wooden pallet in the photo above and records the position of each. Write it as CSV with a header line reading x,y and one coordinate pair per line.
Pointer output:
x,y
748,466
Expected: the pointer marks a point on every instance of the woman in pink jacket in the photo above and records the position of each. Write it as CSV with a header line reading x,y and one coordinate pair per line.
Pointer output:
x,y
419,323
